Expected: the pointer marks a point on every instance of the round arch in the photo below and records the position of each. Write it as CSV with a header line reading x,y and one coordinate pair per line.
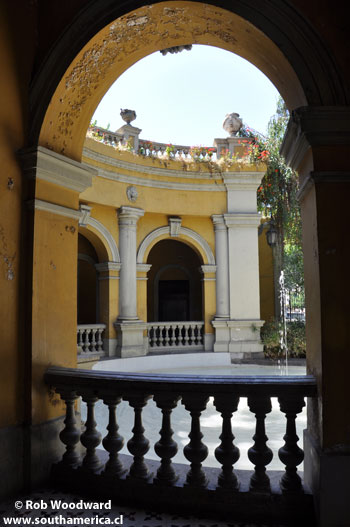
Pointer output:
x,y
109,38
101,239
192,238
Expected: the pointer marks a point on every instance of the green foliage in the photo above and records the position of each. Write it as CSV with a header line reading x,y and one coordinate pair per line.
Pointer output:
x,y
271,338
277,194
293,268
296,339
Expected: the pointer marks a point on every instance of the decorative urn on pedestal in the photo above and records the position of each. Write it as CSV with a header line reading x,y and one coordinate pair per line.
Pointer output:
x,y
232,123
127,115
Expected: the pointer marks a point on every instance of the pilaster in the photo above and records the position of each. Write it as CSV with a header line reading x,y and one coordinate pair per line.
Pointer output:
x,y
108,277
222,263
208,273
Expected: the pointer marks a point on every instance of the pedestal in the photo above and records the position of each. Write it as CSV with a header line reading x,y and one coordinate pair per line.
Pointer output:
x,y
130,339
239,337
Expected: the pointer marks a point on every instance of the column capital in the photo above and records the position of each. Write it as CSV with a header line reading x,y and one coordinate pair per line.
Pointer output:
x,y
242,220
107,266
129,215
243,180
205,269
143,268
218,221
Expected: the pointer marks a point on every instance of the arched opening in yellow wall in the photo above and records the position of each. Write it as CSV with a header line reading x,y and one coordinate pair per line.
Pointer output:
x,y
174,289
88,294
139,33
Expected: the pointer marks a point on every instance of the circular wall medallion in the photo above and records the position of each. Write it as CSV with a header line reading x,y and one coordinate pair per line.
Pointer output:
x,y
132,193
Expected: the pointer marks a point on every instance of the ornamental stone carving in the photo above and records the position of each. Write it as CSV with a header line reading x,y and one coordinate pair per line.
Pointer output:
x,y
232,123
132,193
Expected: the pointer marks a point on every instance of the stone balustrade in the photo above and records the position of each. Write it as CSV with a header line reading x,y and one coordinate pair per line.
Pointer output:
x,y
89,338
154,148
175,335
249,495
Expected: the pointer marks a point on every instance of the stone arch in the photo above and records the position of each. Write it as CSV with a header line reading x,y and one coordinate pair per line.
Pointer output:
x,y
108,38
101,239
192,238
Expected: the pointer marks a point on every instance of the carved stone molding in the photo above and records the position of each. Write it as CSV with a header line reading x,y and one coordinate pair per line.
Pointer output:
x,y
175,226
315,126
41,163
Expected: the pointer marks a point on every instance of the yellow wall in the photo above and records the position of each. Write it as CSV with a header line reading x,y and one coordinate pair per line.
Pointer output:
x,y
15,60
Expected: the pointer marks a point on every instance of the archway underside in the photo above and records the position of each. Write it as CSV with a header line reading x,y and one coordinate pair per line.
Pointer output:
x,y
140,33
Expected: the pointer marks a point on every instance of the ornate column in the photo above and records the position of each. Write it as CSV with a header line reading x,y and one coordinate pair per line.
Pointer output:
x,y
130,329
222,285
222,274
128,217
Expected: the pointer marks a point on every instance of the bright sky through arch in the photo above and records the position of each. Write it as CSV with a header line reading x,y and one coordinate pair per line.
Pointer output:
x,y
183,98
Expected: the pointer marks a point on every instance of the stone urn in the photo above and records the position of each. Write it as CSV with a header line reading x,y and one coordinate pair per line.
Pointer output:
x,y
232,123
127,115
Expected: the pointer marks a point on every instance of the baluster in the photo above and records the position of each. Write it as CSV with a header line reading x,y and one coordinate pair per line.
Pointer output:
x,y
113,442
153,336
99,339
70,435
93,339
177,335
167,328
227,453
162,335
171,335
91,438
196,451
201,334
290,454
194,334
260,454
80,339
86,340
138,445
158,336
186,336
166,447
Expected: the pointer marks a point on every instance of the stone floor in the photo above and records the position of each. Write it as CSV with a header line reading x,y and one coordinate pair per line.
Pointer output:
x,y
48,513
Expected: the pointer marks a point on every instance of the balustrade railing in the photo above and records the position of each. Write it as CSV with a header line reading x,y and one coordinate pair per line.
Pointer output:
x,y
175,335
153,148
89,338
194,393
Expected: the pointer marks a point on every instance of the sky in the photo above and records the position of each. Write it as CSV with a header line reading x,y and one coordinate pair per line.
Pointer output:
x,y
183,98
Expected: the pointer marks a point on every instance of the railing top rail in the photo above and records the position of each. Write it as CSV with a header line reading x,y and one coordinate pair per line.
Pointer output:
x,y
179,322
91,326
243,385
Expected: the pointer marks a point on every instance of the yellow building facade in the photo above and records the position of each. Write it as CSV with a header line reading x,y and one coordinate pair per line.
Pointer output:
x,y
161,238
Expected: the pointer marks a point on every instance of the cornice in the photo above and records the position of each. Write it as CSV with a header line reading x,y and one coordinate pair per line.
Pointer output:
x,y
315,126
59,210
319,178
44,164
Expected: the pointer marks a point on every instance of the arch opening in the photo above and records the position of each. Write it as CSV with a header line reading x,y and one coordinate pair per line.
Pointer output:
x,y
139,33
174,288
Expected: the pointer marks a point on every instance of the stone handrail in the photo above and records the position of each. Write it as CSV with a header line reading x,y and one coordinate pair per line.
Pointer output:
x,y
176,151
154,148
115,476
89,338
166,335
